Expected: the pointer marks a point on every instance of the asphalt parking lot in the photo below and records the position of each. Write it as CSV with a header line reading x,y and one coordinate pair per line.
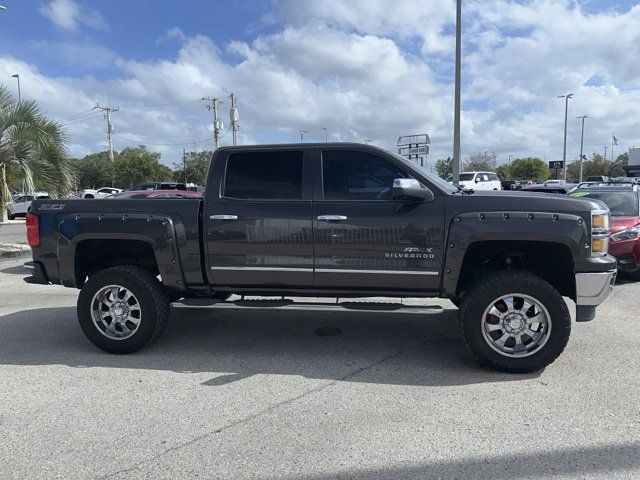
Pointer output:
x,y
261,395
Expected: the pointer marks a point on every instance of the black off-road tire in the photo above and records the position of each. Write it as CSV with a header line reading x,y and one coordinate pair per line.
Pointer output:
x,y
506,282
10,216
154,307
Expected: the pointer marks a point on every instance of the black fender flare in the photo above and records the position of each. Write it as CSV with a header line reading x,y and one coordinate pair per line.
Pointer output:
x,y
465,229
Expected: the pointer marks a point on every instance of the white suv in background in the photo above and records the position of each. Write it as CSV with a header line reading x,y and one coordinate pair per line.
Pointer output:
x,y
21,205
478,181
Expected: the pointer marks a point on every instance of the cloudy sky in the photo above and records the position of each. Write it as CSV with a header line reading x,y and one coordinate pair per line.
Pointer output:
x,y
373,69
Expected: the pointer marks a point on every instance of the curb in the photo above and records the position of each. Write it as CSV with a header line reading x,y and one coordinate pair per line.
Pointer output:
x,y
14,251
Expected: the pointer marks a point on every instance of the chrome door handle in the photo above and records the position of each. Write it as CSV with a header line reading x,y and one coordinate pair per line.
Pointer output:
x,y
223,217
332,218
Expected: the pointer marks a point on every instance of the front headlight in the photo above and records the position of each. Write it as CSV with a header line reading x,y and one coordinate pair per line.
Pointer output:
x,y
627,234
600,221
599,232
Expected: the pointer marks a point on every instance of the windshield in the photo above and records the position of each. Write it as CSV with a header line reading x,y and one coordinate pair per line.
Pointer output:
x,y
621,204
466,177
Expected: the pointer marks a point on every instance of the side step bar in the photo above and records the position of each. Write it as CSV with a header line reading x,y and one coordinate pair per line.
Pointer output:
x,y
290,305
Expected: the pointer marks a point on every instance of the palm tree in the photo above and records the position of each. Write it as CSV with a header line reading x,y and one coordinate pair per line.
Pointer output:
x,y
34,143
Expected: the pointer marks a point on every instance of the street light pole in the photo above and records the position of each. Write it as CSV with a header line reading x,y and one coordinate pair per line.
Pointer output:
x,y
582,144
456,116
302,132
326,134
17,76
564,150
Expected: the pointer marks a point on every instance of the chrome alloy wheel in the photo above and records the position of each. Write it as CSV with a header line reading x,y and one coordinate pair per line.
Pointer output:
x,y
516,325
116,312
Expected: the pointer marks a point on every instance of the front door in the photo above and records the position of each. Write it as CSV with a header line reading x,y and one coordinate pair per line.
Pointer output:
x,y
364,239
258,225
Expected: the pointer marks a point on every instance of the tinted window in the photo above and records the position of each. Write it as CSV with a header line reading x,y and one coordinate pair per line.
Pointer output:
x,y
357,176
466,177
172,186
493,177
264,175
620,203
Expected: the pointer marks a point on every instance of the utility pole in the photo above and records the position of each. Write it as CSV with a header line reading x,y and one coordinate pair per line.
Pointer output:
x,y
456,115
184,165
564,150
233,117
217,124
582,144
108,109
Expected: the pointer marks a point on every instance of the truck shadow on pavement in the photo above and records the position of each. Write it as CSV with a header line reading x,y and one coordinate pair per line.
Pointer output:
x,y
611,461
234,345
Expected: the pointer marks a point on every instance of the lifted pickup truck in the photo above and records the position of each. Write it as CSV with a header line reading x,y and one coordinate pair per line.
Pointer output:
x,y
331,220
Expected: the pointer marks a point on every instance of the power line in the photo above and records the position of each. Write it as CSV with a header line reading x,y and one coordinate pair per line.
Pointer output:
x,y
161,144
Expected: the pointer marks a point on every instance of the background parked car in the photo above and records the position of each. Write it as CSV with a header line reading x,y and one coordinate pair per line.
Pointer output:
x,y
624,202
511,184
479,181
159,186
550,187
133,194
99,193
22,204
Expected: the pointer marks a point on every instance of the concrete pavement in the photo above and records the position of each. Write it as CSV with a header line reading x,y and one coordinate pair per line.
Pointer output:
x,y
260,395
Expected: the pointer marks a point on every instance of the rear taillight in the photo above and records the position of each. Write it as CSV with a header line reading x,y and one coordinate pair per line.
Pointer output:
x,y
33,235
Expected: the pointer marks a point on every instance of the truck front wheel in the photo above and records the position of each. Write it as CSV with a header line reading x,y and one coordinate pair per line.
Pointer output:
x,y
515,321
122,309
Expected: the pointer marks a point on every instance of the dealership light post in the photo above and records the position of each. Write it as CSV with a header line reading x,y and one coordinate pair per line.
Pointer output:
x,y
17,77
582,144
456,116
564,150
302,132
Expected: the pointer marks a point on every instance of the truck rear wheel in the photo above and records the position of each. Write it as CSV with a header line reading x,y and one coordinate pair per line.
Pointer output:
x,y
122,309
515,321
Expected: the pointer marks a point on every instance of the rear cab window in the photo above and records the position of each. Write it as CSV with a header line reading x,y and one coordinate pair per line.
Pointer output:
x,y
270,175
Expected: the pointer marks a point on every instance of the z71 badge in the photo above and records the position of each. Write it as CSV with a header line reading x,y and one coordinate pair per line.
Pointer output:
x,y
51,206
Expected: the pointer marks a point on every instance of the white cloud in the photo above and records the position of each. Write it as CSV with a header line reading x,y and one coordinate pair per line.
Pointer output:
x,y
67,14
375,70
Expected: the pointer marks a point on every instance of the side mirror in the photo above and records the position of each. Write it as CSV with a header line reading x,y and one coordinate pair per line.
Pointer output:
x,y
477,180
409,189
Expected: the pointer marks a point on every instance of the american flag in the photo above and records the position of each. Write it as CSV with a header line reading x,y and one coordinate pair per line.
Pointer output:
x,y
615,140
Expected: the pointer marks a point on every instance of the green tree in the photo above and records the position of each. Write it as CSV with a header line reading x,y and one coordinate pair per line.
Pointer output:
x,y
444,167
36,145
530,168
135,165
597,166
93,170
504,172
194,169
480,162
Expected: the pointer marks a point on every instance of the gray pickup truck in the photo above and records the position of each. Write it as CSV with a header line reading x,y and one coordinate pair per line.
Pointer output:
x,y
331,220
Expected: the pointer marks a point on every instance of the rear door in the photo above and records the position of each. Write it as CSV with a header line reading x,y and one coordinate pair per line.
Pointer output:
x,y
365,240
258,229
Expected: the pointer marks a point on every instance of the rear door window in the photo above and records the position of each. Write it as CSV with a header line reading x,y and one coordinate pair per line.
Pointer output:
x,y
273,175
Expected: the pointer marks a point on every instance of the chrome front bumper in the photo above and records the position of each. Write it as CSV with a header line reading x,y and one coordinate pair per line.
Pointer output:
x,y
593,288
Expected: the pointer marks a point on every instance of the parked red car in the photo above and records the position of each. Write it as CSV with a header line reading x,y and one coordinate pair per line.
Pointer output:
x,y
624,202
133,194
